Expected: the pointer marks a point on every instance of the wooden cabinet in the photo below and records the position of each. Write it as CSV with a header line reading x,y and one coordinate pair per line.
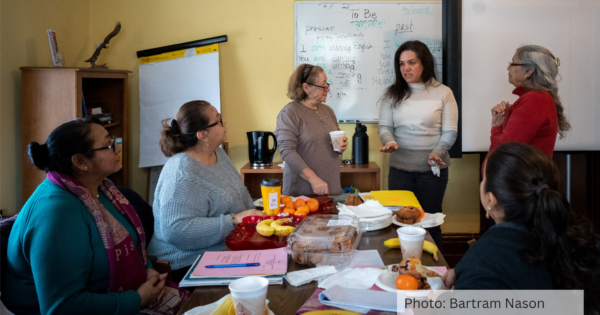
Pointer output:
x,y
53,96
365,177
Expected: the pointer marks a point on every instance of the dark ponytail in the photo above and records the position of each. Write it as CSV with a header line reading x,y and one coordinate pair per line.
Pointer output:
x,y
180,133
524,181
66,140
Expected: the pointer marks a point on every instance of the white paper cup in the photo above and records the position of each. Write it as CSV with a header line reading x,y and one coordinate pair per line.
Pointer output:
x,y
337,138
411,241
249,295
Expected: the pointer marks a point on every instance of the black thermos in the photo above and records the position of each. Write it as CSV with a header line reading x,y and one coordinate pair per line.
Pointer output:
x,y
360,145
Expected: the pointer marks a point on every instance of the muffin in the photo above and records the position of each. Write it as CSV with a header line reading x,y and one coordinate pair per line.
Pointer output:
x,y
353,201
408,215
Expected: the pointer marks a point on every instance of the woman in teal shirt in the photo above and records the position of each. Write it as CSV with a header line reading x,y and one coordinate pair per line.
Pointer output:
x,y
77,246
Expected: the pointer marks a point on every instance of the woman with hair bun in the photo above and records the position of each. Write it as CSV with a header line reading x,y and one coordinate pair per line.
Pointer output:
x,y
537,242
199,197
538,115
303,125
78,246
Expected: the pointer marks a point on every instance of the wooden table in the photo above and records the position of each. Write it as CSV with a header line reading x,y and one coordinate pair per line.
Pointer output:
x,y
287,299
365,177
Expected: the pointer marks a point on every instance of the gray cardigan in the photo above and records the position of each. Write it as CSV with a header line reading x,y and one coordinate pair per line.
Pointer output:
x,y
192,208
303,139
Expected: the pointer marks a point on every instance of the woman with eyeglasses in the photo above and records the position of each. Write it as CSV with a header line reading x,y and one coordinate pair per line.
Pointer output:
x,y
418,121
303,126
537,115
78,246
199,197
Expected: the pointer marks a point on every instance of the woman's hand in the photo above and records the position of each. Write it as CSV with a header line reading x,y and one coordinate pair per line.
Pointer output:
x,y
389,148
435,159
152,289
448,278
238,217
498,113
344,145
319,186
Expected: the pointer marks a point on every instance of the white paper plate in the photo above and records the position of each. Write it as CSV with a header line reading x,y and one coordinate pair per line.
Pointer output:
x,y
259,202
418,224
387,282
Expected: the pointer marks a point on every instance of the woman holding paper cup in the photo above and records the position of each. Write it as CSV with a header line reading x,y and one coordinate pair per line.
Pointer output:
x,y
308,136
199,196
418,121
537,243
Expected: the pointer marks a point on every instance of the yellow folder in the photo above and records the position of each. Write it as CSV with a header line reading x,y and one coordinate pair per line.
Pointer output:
x,y
396,198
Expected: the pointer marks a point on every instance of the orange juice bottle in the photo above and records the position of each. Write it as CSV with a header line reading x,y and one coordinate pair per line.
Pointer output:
x,y
271,195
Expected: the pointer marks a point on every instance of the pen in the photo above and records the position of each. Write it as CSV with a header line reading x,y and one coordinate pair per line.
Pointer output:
x,y
234,265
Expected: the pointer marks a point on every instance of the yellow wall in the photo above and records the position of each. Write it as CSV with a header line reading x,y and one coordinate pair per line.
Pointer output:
x,y
256,64
24,42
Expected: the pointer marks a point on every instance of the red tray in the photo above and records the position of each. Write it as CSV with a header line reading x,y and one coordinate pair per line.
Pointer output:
x,y
245,237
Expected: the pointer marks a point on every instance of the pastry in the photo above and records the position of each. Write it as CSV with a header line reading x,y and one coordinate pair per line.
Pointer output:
x,y
353,201
408,215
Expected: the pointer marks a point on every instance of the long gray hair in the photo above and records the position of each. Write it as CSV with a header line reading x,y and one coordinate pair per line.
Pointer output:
x,y
545,69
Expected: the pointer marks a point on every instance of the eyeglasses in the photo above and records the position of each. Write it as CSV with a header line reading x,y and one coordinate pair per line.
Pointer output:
x,y
327,85
112,146
510,64
220,121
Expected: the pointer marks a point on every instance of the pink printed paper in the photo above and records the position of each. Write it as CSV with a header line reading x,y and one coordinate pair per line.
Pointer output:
x,y
272,262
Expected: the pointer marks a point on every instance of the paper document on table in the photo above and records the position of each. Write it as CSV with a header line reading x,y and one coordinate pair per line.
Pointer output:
x,y
272,262
361,299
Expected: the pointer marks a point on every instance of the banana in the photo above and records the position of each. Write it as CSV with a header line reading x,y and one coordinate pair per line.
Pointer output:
x,y
427,246
264,228
431,248
392,243
281,230
223,309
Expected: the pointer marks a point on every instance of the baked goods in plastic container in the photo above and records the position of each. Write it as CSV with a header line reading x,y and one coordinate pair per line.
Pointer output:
x,y
325,239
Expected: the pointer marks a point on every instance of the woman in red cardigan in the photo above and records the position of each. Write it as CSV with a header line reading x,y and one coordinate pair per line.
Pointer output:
x,y
537,116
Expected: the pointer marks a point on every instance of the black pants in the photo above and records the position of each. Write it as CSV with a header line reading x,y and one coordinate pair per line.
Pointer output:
x,y
429,190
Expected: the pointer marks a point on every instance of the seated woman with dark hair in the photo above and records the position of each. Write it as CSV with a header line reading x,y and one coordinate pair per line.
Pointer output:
x,y
538,242
200,196
77,246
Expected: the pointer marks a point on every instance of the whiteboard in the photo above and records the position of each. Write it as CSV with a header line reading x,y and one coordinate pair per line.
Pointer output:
x,y
165,86
493,30
355,43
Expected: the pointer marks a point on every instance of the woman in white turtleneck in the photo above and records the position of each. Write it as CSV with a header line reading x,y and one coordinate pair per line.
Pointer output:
x,y
418,121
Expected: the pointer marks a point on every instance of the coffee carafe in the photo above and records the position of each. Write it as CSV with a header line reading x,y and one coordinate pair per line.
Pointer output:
x,y
259,153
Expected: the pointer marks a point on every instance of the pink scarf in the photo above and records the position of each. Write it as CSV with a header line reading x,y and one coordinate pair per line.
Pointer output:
x,y
127,265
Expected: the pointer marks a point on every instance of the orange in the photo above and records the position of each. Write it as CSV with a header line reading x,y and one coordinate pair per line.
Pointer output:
x,y
298,203
289,210
289,204
422,213
312,204
406,282
304,208
286,199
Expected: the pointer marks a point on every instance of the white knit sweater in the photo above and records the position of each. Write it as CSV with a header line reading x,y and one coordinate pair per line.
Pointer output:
x,y
424,123
192,208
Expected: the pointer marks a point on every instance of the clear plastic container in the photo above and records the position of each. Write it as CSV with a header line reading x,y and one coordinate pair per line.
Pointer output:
x,y
325,240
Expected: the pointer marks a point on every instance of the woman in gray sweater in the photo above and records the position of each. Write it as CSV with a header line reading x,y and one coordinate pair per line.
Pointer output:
x,y
303,126
418,121
199,197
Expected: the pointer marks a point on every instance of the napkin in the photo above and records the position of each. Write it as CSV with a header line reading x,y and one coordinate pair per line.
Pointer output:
x,y
360,301
435,169
431,219
369,209
297,278
353,278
